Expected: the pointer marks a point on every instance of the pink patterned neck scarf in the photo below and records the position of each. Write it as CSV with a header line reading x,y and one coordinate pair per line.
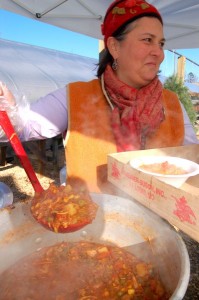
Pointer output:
x,y
136,114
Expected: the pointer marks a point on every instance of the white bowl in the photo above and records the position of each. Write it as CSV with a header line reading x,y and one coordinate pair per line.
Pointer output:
x,y
189,166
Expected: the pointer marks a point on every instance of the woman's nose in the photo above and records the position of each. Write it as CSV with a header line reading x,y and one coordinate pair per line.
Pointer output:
x,y
157,49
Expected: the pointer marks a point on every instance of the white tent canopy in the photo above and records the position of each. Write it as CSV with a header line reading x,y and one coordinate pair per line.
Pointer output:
x,y
85,16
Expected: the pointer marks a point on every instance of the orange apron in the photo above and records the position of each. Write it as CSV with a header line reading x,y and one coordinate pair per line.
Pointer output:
x,y
90,139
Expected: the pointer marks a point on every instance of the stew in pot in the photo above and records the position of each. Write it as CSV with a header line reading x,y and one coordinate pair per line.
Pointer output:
x,y
81,271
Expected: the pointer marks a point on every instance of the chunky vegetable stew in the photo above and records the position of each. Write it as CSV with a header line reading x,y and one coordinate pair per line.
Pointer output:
x,y
81,271
62,209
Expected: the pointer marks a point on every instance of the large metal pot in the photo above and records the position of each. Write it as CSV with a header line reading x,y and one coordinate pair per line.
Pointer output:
x,y
119,221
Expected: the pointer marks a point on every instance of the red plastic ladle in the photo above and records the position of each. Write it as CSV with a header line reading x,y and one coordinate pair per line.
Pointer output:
x,y
19,150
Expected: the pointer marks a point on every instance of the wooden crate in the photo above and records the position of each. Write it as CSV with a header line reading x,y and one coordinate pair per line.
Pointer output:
x,y
179,206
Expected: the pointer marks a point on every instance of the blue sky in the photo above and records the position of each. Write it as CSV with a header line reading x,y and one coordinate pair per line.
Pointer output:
x,y
17,28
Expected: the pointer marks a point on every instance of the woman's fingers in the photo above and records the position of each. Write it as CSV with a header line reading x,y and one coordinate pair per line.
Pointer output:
x,y
1,89
6,93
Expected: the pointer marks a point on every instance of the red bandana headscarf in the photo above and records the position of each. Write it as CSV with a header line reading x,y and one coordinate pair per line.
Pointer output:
x,y
136,114
121,12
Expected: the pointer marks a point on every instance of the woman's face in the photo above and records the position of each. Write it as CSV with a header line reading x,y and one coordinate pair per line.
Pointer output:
x,y
140,54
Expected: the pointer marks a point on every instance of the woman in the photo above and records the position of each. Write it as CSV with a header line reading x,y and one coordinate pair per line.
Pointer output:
x,y
126,108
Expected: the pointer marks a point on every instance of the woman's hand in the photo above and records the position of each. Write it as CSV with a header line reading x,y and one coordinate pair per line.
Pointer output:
x,y
6,94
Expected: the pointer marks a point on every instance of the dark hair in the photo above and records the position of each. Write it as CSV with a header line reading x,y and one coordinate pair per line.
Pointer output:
x,y
105,56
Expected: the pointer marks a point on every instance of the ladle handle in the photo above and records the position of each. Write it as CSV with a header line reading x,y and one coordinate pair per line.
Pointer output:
x,y
19,150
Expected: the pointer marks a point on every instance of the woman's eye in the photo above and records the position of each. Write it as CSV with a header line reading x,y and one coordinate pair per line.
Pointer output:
x,y
147,40
162,44
150,41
